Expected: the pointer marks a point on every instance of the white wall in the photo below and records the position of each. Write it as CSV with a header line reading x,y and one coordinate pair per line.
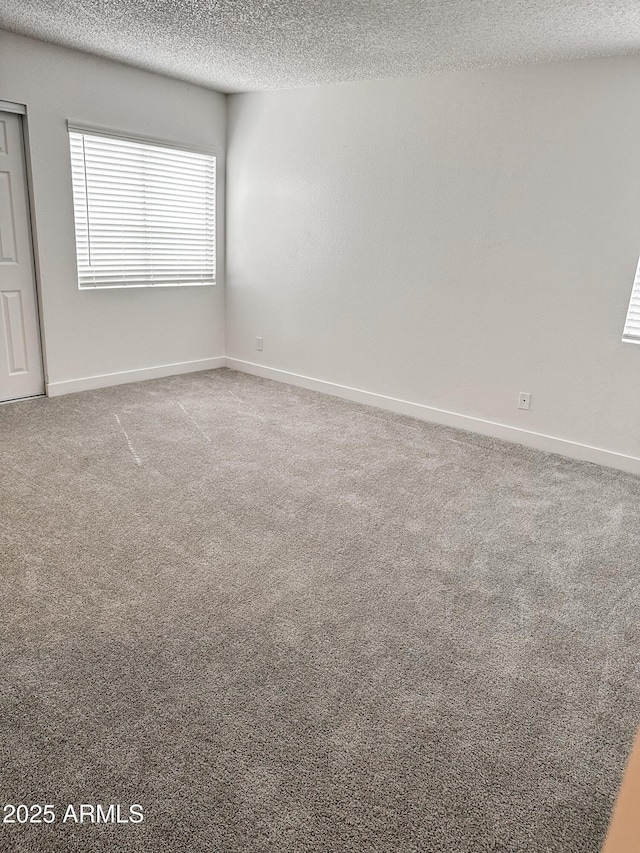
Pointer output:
x,y
449,241
101,333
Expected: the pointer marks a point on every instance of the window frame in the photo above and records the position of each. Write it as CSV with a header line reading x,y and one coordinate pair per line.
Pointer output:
x,y
147,141
627,337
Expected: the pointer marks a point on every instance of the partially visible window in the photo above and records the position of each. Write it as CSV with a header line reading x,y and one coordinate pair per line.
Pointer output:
x,y
144,213
632,326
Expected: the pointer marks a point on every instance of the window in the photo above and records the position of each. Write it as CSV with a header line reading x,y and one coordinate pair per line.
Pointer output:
x,y
144,212
632,326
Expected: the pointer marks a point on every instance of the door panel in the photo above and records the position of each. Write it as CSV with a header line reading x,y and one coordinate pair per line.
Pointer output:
x,y
15,331
7,227
21,373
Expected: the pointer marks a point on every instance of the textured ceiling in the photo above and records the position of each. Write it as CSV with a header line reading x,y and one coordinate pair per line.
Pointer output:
x,y
239,46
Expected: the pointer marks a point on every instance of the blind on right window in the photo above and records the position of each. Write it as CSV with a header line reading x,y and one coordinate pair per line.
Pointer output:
x,y
144,212
632,326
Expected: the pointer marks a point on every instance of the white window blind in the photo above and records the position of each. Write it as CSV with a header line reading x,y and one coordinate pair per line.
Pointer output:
x,y
632,326
144,213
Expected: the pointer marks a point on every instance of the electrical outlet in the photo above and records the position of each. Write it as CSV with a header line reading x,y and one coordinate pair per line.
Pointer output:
x,y
259,344
524,400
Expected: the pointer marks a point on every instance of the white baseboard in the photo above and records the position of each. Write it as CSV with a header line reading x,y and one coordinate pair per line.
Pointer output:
x,y
89,383
539,441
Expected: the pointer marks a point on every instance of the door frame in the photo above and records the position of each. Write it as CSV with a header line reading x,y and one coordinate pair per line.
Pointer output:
x,y
21,111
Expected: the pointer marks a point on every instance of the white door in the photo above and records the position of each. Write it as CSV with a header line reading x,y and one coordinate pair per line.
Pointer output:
x,y
21,373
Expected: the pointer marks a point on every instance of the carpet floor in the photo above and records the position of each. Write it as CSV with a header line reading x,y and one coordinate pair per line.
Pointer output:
x,y
279,621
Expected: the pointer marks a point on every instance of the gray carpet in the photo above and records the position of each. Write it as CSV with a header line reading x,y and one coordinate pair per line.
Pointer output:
x,y
284,622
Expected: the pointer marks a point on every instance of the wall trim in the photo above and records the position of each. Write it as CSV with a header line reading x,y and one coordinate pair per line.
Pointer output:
x,y
517,435
89,383
10,107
